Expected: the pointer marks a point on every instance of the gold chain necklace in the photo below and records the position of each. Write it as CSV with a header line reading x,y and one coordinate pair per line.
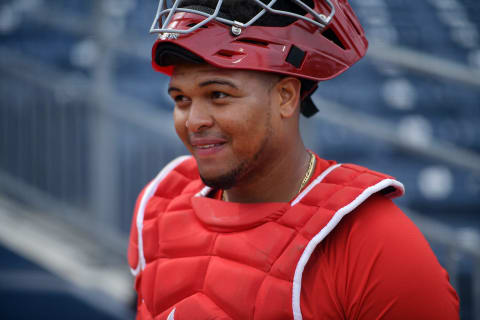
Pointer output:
x,y
309,172
306,178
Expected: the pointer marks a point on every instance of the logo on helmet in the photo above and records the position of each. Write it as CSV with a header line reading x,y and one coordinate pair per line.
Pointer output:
x,y
168,36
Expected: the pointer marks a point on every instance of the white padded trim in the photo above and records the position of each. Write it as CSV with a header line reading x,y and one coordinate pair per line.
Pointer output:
x,y
135,271
149,192
204,192
297,279
171,315
314,183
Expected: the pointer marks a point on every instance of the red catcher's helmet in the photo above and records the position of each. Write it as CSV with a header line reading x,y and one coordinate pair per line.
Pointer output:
x,y
316,46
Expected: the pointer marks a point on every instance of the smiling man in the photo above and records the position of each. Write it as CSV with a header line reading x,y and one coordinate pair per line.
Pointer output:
x,y
242,129
253,225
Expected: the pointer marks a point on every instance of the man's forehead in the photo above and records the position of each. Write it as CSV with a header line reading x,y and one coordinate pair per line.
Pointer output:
x,y
198,72
191,69
191,76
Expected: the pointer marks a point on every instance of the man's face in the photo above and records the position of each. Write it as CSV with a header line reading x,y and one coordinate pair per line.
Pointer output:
x,y
224,118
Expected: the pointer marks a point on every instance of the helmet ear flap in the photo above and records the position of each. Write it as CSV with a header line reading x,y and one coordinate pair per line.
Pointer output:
x,y
307,107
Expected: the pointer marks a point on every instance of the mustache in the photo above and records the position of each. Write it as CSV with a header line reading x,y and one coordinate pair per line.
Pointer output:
x,y
206,135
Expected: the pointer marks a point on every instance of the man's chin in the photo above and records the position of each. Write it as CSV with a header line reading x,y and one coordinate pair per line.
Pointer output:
x,y
226,180
221,182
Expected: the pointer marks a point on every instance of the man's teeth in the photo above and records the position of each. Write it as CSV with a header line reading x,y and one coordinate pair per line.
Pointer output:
x,y
206,146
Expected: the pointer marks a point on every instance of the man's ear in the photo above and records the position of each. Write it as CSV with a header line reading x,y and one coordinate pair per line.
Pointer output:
x,y
288,91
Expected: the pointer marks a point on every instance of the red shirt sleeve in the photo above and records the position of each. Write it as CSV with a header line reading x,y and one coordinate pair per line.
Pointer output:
x,y
376,265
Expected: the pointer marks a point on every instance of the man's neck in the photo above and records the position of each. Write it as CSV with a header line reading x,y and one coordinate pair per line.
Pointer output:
x,y
278,182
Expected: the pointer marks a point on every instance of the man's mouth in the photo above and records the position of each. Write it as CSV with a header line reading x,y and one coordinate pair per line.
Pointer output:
x,y
208,146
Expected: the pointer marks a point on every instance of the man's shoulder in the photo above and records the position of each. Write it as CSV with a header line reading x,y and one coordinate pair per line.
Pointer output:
x,y
350,174
372,263
347,185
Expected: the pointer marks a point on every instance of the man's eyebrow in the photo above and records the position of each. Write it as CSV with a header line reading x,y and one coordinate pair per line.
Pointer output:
x,y
218,81
207,83
170,89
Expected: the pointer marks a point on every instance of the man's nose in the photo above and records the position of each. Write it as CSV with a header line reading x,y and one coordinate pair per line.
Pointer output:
x,y
199,117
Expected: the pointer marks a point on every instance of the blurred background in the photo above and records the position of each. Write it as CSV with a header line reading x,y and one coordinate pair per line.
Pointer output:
x,y
85,123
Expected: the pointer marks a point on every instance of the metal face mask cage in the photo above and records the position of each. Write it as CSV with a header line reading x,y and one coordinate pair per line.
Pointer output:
x,y
164,16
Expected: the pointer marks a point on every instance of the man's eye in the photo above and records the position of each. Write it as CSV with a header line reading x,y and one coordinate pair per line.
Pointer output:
x,y
179,98
219,95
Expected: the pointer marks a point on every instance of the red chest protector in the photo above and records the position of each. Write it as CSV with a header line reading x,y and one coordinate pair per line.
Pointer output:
x,y
201,258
